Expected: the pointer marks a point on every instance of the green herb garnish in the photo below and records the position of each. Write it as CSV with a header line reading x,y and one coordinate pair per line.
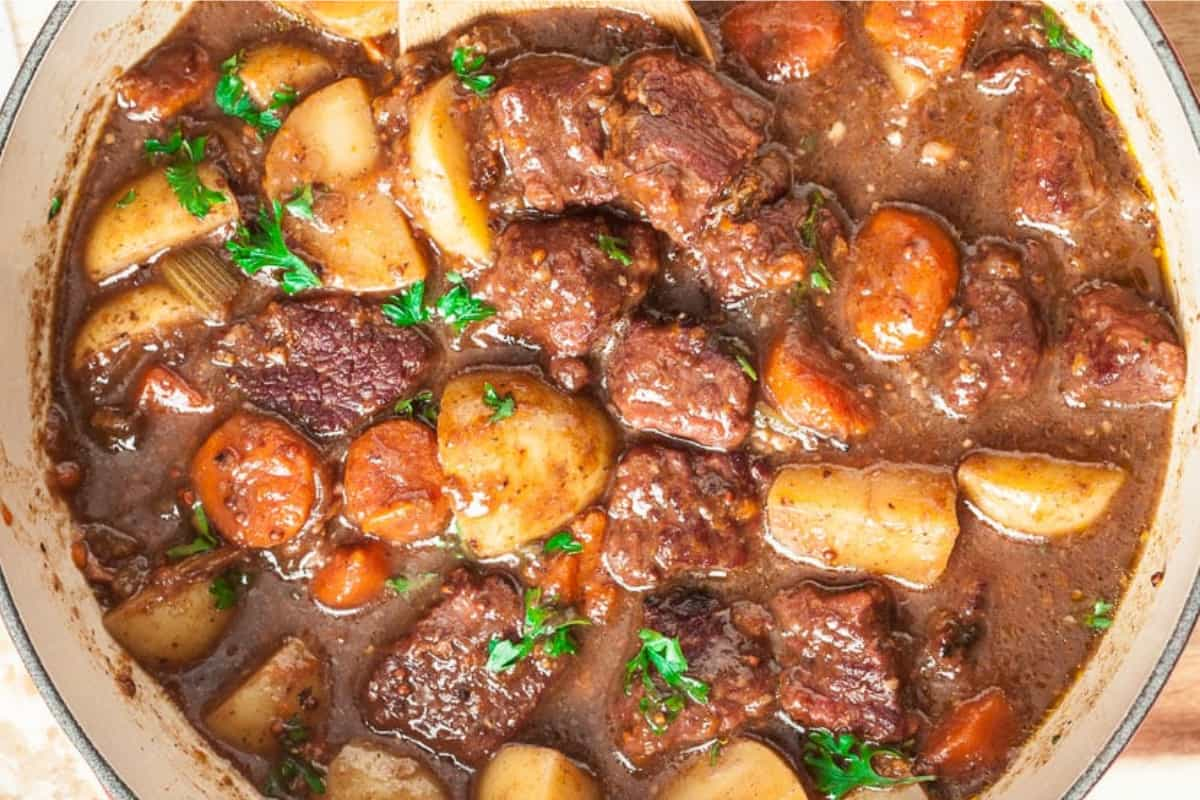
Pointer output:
x,y
1100,617
1058,38
660,661
502,407
300,203
540,624
265,248
184,179
234,100
458,308
819,279
167,148
840,763
466,63
293,764
55,207
714,751
407,308
224,588
420,406
563,542
746,366
127,198
614,248
205,539
401,584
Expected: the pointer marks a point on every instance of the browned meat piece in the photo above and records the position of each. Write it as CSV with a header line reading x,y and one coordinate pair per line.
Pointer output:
x,y
1119,350
553,284
994,348
784,42
327,363
726,648
674,513
433,684
167,82
547,116
673,380
839,660
1053,173
762,251
678,136
945,665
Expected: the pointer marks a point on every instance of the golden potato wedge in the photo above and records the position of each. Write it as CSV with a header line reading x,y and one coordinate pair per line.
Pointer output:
x,y
527,772
361,238
896,520
123,236
352,19
136,316
912,791
268,67
1035,495
363,770
744,770
520,478
170,623
290,684
450,213
328,139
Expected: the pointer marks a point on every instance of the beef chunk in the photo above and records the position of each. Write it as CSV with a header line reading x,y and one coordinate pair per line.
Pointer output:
x,y
1053,173
726,648
327,364
672,379
674,513
167,82
993,349
840,663
678,136
946,665
553,284
433,684
547,116
1119,350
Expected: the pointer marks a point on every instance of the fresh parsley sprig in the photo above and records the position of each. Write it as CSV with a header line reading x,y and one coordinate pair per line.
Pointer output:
x,y
407,308
127,198
1100,617
746,366
1058,38
293,764
224,588
614,248
204,541
819,279
467,63
233,98
402,584
563,542
300,203
663,657
420,405
502,407
457,307
55,207
840,763
541,626
184,179
265,248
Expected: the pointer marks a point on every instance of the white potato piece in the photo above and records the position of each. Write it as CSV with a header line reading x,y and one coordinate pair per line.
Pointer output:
x,y
744,770
450,213
170,623
912,791
896,520
1036,495
353,19
136,316
122,237
267,68
328,139
521,478
527,772
361,238
363,770
290,684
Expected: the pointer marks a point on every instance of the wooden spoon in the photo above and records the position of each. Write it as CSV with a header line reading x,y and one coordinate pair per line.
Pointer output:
x,y
424,21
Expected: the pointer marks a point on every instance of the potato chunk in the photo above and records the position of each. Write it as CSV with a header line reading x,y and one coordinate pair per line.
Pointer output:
x,y
147,313
519,478
123,236
896,520
270,66
526,772
290,684
744,770
448,209
363,770
1036,495
328,139
353,19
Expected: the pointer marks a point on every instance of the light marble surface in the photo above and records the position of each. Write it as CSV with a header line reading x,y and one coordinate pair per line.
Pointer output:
x,y
37,762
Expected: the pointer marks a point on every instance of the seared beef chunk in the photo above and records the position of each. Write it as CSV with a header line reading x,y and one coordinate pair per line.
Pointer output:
x,y
434,684
327,364
674,513
547,116
839,660
726,648
1119,350
1052,169
678,136
946,663
553,284
672,379
993,349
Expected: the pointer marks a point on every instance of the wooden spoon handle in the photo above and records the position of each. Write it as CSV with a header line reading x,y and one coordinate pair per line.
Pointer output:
x,y
424,21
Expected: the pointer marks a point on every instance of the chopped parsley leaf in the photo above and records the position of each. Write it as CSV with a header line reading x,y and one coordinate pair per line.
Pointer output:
x,y
167,148
293,764
614,248
663,657
819,279
1100,617
55,207
204,541
420,406
224,588
127,198
502,407
540,623
714,751
840,763
233,98
407,308
563,542
401,584
746,366
1058,38
458,308
265,248
300,203
467,64
182,174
